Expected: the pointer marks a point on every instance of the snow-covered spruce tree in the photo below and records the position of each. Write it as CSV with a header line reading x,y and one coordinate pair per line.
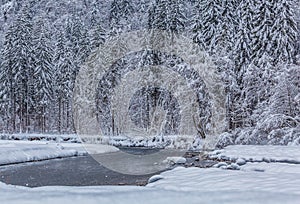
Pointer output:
x,y
256,75
229,24
241,53
261,34
21,65
67,49
120,14
59,57
85,47
239,110
65,69
97,34
177,19
297,12
248,107
284,32
274,32
263,97
7,93
168,15
43,75
140,17
197,23
214,25
78,41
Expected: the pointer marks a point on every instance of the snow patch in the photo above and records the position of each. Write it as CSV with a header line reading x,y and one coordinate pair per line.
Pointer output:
x,y
155,178
175,160
12,152
252,153
218,180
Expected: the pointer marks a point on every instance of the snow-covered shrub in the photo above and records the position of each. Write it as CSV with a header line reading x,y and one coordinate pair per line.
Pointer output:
x,y
247,136
296,142
276,118
225,139
278,129
277,121
285,136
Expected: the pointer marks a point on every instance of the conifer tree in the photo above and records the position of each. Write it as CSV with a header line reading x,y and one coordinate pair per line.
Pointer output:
x,y
168,15
97,34
284,32
43,75
119,15
213,25
21,63
241,53
7,93
262,35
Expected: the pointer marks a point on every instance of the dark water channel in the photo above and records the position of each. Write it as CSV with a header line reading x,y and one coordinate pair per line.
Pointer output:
x,y
75,171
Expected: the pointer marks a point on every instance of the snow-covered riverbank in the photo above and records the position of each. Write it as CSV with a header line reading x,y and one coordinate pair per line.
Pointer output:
x,y
12,152
192,185
273,179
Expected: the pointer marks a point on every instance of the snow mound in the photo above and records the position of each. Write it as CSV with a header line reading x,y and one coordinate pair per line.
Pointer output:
x,y
146,195
275,168
218,180
73,138
251,153
167,141
155,178
12,152
18,152
175,160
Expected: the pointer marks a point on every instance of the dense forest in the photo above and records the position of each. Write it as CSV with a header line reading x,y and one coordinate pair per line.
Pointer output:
x,y
254,43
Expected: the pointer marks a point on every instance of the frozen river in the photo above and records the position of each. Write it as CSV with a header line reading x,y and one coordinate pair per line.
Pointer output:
x,y
75,171
129,166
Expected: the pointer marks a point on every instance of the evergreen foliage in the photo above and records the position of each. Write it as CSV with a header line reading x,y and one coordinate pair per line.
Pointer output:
x,y
255,44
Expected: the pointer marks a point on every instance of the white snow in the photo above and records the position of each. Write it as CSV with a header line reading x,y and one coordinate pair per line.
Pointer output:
x,y
255,182
167,141
245,180
175,160
240,162
286,154
12,152
274,168
155,178
181,185
41,137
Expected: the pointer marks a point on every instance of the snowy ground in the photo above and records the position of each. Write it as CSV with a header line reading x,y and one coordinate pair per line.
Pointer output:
x,y
41,137
286,154
261,181
12,152
192,185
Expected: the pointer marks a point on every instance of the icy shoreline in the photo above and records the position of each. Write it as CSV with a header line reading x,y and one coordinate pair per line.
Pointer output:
x,y
181,185
13,152
255,181
259,153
